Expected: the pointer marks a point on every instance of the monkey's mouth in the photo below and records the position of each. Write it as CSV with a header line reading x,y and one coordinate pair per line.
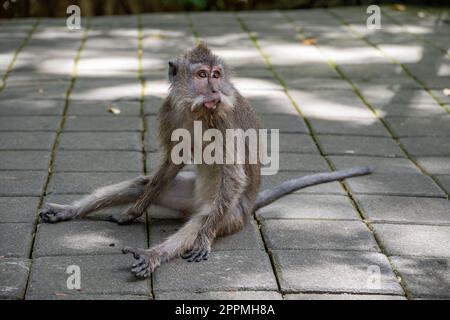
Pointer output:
x,y
211,104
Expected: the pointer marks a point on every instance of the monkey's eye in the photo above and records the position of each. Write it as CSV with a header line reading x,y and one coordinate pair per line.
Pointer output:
x,y
216,74
202,74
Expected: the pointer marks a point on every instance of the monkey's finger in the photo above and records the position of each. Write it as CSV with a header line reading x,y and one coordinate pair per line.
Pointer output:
x,y
147,273
135,252
195,256
202,256
137,262
139,267
142,273
187,254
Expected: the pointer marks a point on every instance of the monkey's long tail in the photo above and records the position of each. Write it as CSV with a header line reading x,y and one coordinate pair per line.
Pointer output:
x,y
270,195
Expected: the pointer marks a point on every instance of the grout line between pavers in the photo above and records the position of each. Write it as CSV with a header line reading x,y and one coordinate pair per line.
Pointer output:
x,y
56,141
257,222
142,116
373,110
16,54
415,35
313,135
393,60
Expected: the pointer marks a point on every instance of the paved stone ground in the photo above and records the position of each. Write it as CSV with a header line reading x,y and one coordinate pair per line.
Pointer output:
x,y
351,96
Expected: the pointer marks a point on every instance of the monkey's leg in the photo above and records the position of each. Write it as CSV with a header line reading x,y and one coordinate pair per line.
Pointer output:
x,y
108,196
182,242
149,259
232,185
231,223
179,196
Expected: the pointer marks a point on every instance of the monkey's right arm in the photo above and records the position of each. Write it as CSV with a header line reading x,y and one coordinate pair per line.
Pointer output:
x,y
158,182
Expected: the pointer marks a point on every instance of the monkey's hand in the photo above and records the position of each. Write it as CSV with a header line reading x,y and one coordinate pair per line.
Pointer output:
x,y
147,261
200,250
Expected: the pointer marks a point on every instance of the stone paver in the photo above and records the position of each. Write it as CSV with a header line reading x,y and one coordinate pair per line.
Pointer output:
x,y
283,122
345,126
404,209
124,141
424,277
411,109
87,238
427,146
303,162
27,141
98,161
270,102
319,235
101,274
102,108
25,123
305,206
85,182
250,270
435,165
84,296
399,184
414,240
13,277
295,143
364,146
220,295
326,296
102,123
24,160
18,209
315,237
15,239
380,165
444,180
429,127
22,183
333,272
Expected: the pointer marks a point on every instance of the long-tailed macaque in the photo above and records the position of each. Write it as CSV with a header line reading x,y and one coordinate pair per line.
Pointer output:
x,y
217,198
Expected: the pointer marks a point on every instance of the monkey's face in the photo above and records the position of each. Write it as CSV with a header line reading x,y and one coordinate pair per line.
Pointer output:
x,y
206,84
199,81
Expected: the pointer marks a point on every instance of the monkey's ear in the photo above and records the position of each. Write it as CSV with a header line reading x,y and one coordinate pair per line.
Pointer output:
x,y
173,69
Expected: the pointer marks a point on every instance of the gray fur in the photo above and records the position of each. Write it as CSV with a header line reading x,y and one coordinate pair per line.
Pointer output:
x,y
268,196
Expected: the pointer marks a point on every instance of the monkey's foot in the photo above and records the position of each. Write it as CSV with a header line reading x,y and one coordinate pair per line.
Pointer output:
x,y
196,255
52,212
200,251
147,261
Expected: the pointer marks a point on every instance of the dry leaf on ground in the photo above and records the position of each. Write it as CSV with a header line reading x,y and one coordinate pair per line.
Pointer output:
x,y
309,41
114,110
399,7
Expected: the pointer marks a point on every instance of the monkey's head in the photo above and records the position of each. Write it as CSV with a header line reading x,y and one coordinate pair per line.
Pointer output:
x,y
199,81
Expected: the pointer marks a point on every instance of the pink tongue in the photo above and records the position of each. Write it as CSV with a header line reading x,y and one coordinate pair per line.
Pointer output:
x,y
209,104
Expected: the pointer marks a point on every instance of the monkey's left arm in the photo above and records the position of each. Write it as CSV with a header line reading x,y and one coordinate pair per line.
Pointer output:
x,y
164,175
